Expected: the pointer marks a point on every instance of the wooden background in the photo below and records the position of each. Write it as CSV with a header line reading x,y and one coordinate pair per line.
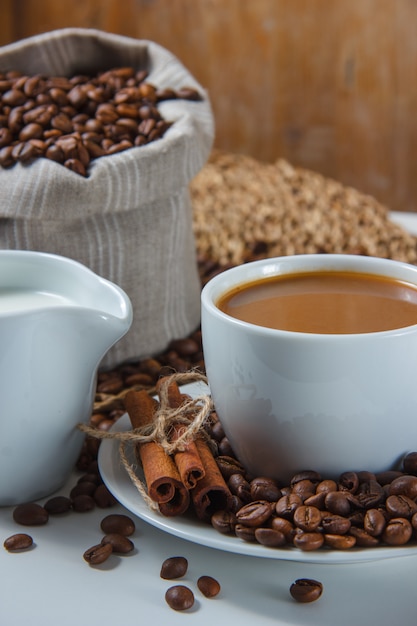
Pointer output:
x,y
330,85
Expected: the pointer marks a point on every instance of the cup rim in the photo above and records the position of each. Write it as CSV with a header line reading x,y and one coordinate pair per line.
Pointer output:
x,y
263,268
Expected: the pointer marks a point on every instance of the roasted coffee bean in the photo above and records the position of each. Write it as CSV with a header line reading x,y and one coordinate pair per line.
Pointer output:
x,y
349,481
307,518
119,524
370,494
317,500
58,505
224,521
179,598
338,502
335,524
404,485
385,478
18,542
84,488
311,475
209,586
364,476
304,489
326,485
397,532
363,538
287,505
174,567
228,466
83,503
270,537
224,447
30,514
255,513
98,554
284,526
246,533
306,590
119,543
240,487
339,542
308,541
409,462
103,498
400,506
263,488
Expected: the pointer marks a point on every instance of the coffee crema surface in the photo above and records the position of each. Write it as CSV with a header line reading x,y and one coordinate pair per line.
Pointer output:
x,y
324,302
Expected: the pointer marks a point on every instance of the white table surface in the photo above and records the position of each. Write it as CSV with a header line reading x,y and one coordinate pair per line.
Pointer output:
x,y
51,584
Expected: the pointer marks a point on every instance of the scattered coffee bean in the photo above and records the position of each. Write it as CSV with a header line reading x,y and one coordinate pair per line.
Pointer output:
x,y
103,498
83,503
58,505
119,524
98,554
179,597
306,590
120,543
18,542
208,586
30,514
174,567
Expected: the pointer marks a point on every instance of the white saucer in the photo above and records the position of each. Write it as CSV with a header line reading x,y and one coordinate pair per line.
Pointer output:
x,y
191,529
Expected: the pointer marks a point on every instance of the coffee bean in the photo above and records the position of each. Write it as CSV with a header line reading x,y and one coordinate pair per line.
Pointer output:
x,y
58,505
103,498
255,513
374,522
400,506
335,524
119,524
307,518
174,567
179,598
405,485
98,554
224,521
349,481
263,488
363,538
119,543
270,537
228,466
308,541
306,590
208,586
83,503
410,463
397,532
18,542
247,533
30,514
240,487
339,542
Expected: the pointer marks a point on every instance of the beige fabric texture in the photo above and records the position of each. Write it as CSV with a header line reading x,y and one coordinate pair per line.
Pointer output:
x,y
130,220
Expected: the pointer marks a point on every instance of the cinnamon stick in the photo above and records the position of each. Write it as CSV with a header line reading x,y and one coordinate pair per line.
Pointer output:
x,y
161,474
187,460
211,493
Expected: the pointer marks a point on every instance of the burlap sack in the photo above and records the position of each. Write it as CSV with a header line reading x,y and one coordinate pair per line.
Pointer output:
x,y
130,220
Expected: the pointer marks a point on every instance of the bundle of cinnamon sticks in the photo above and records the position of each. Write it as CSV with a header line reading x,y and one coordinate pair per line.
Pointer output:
x,y
180,477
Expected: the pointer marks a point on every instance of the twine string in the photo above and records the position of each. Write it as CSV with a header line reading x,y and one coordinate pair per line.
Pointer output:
x,y
192,415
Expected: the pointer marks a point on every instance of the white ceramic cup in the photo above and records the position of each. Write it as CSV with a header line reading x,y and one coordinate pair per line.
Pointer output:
x,y
293,401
